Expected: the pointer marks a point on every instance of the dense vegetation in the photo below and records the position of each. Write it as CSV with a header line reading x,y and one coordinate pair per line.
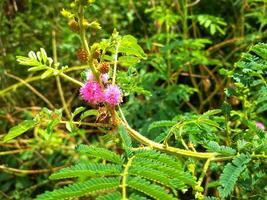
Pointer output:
x,y
124,99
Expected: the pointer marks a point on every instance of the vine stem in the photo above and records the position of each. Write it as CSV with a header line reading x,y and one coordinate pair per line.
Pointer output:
x,y
124,178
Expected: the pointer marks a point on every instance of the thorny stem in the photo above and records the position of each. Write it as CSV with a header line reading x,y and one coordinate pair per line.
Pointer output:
x,y
124,178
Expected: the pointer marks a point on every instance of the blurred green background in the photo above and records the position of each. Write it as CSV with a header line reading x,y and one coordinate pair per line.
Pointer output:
x,y
186,42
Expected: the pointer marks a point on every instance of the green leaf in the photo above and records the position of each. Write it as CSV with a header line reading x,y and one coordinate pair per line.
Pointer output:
x,y
87,169
47,73
230,174
129,46
37,68
43,55
160,124
128,60
99,153
149,189
215,147
89,113
77,111
92,186
112,196
20,129
126,140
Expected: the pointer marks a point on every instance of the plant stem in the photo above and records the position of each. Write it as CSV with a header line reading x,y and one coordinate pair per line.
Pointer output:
x,y
32,89
85,43
124,178
60,90
115,63
71,79
161,147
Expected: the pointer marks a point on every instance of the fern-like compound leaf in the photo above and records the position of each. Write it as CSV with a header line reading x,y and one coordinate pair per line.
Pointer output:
x,y
164,158
111,196
100,153
149,189
179,174
135,196
126,140
160,124
224,150
96,185
231,173
156,176
87,170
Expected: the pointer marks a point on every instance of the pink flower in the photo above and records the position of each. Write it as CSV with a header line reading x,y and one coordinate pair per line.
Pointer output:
x,y
113,95
260,125
92,92
104,77
90,76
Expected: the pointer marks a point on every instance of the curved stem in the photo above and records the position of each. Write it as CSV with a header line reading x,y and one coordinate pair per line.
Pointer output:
x,y
176,151
124,178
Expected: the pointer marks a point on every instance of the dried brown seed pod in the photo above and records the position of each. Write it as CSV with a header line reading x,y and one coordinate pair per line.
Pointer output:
x,y
104,67
82,55
206,84
234,101
74,26
96,54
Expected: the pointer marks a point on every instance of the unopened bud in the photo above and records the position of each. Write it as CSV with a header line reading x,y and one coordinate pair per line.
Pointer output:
x,y
104,67
74,26
82,55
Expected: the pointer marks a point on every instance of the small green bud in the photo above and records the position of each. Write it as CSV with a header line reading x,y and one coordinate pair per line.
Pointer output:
x,y
66,14
95,25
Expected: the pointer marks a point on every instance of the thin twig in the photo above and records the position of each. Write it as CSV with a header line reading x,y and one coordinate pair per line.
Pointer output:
x,y
32,89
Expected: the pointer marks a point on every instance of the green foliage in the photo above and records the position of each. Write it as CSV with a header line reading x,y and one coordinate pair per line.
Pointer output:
x,y
213,24
20,129
99,153
231,174
92,186
162,171
189,48
215,147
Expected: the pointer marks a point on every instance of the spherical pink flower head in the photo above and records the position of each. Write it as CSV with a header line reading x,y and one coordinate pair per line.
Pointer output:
x,y
104,77
89,75
260,125
92,92
113,95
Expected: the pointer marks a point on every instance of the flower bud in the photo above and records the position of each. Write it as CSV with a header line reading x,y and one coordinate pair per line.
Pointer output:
x,y
82,55
96,54
104,67
95,25
74,26
66,14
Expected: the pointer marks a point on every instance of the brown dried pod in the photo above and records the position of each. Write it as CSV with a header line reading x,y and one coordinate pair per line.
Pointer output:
x,y
82,55
104,67
206,84
234,101
74,26
96,54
